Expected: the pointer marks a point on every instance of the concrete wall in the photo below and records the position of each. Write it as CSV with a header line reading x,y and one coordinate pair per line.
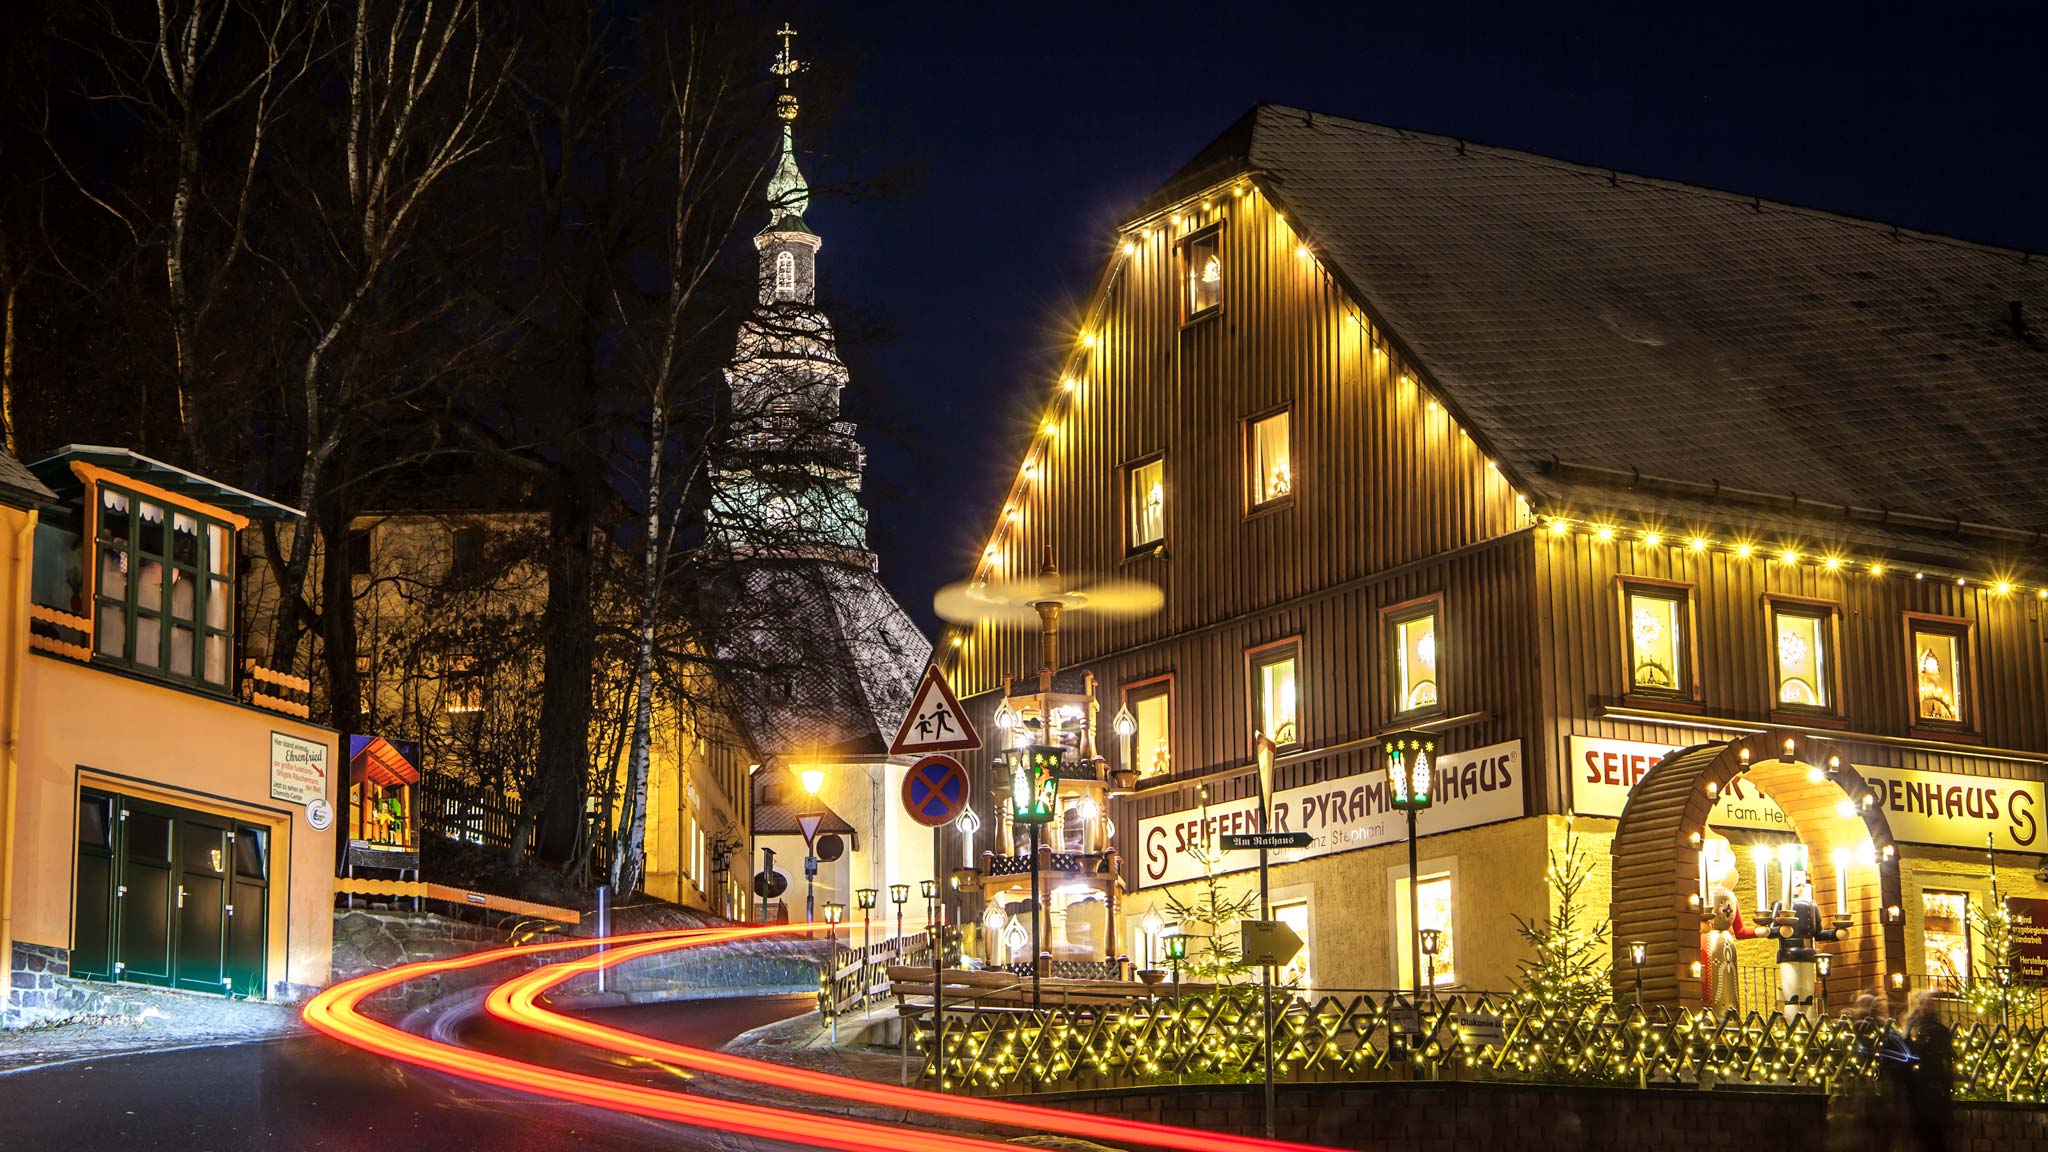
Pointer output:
x,y
1400,1117
90,726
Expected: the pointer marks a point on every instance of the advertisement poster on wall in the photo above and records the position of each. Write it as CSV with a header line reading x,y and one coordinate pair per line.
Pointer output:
x,y
1481,786
1605,771
2029,938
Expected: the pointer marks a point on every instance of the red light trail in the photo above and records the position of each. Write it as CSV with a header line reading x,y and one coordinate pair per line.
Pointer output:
x,y
335,1012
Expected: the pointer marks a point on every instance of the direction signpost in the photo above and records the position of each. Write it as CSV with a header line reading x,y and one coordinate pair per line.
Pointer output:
x,y
935,792
1264,841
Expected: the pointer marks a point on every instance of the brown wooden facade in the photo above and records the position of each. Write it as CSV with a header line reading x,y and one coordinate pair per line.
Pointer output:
x,y
1391,501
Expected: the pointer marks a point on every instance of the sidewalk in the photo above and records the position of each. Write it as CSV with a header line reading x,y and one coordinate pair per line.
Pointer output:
x,y
160,1020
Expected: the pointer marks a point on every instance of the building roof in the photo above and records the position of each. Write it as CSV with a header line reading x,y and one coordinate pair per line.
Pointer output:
x,y
19,486
1595,330
55,469
779,800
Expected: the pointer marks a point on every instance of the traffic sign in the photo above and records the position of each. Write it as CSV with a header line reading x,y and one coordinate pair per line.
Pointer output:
x,y
935,790
1268,942
809,823
935,722
1235,840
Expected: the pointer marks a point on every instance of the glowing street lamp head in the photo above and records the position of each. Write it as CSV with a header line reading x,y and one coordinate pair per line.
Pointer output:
x,y
899,894
1177,946
814,779
1410,771
835,912
928,888
866,897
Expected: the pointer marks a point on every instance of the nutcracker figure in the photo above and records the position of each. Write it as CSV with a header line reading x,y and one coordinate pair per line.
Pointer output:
x,y
1798,928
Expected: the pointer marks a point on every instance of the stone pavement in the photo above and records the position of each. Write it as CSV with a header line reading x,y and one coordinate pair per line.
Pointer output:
x,y
152,1020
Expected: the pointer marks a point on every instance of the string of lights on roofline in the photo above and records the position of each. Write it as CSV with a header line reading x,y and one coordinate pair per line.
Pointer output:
x,y
1199,211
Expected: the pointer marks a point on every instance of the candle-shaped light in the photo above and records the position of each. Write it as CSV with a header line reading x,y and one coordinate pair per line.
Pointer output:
x,y
1841,860
1761,857
1788,855
1703,874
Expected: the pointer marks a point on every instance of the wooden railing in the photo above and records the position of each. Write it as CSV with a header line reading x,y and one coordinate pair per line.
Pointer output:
x,y
59,632
275,691
856,977
417,890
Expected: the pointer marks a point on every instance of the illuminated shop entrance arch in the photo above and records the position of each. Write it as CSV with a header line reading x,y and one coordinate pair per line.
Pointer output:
x,y
1656,855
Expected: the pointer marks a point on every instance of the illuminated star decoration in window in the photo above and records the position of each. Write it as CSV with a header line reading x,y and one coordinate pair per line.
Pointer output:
x,y
1212,270
1649,630
1791,649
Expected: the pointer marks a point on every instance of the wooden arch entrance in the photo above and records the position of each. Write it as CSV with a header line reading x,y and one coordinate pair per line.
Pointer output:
x,y
1656,875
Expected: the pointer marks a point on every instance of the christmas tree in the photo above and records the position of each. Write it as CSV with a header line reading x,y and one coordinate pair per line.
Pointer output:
x,y
1996,1002
1209,922
1568,973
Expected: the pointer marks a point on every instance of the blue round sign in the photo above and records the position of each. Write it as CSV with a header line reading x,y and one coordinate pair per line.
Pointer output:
x,y
935,790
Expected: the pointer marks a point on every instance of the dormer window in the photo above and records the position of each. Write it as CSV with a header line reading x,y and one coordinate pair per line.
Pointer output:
x,y
785,276
164,594
1201,270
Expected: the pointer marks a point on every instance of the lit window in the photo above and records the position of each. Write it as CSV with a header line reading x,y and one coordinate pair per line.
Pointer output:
x,y
785,276
1275,709
1657,620
1148,503
1152,742
1202,264
1295,916
1271,466
1945,925
165,593
1415,678
1938,675
1433,898
1800,648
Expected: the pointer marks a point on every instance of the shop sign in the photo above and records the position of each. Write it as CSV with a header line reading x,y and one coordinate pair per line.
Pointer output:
x,y
2029,938
1604,771
1959,811
298,769
1472,788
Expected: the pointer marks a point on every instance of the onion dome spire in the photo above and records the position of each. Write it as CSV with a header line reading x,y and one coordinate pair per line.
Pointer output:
x,y
788,194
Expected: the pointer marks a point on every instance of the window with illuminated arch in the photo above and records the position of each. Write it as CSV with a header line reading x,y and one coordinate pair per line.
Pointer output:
x,y
1414,657
785,276
1657,620
1269,460
1151,705
1803,656
1275,672
1201,271
1942,688
1145,499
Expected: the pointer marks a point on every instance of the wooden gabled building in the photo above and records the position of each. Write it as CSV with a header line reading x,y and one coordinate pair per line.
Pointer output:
x,y
1574,469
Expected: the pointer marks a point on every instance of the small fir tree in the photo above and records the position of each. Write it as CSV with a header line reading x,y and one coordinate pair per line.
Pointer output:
x,y
1997,945
1209,921
1568,971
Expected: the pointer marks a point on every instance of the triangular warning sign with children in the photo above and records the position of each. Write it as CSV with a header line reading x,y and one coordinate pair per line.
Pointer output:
x,y
935,722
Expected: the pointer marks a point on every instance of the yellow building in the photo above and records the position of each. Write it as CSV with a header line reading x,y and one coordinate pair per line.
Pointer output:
x,y
166,810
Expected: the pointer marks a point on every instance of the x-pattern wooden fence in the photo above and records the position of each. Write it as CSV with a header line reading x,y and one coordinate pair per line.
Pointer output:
x,y
1219,1037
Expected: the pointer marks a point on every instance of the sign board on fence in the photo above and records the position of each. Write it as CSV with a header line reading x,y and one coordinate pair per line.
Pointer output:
x,y
1480,1029
1477,787
1402,1018
1232,841
1268,942
2029,938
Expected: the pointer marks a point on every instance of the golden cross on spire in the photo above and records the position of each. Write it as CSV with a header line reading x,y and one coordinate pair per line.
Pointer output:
x,y
785,65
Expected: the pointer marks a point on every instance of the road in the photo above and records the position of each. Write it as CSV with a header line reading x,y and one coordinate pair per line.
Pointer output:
x,y
311,1092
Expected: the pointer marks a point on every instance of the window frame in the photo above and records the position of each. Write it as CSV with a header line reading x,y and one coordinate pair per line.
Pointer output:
x,y
784,261
1133,548
1184,280
1391,618
1146,688
1970,897
1687,691
1401,936
1829,613
1964,632
201,573
1256,659
1249,431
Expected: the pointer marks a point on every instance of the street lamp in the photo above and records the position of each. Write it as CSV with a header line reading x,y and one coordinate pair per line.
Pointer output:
x,y
1176,951
865,897
929,889
814,779
1432,943
1410,776
1638,952
1822,961
899,895
1034,796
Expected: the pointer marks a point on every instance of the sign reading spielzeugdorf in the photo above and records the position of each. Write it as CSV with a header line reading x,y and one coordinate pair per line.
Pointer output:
x,y
1956,810
1604,771
1472,788
298,769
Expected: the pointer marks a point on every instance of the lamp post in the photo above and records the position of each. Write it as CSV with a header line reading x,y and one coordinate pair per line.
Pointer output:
x,y
1176,951
834,913
865,897
1034,796
899,895
1432,942
1822,961
1638,952
1410,780
929,889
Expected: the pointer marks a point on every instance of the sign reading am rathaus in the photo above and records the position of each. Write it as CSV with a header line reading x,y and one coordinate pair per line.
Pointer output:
x,y
1481,786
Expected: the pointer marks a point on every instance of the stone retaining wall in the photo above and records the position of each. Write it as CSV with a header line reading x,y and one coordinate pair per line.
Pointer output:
x,y
1460,1117
366,942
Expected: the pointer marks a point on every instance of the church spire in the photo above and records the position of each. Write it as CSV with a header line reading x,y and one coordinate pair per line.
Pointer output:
x,y
788,194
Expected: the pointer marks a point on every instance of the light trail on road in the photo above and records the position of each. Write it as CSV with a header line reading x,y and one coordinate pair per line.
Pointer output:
x,y
516,1001
336,1013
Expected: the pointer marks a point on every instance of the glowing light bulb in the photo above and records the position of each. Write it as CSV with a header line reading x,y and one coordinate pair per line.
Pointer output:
x,y
1559,527
1788,556
1699,543
1301,250
1068,385
1605,532
1832,563
1744,551
1653,539
1130,249
1087,339
2003,587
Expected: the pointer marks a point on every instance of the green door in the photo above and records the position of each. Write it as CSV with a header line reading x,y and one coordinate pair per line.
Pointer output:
x,y
92,936
249,912
202,901
145,897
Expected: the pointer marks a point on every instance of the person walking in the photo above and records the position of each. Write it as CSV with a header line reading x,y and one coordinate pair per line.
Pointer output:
x,y
1931,1085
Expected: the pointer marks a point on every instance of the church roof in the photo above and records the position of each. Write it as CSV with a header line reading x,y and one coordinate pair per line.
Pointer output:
x,y
1595,330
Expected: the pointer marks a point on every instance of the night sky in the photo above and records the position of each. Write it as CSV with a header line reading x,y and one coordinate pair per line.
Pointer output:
x,y
984,156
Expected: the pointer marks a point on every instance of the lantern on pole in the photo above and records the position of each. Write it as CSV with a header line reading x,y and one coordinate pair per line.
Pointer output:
x,y
1034,800
1411,788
